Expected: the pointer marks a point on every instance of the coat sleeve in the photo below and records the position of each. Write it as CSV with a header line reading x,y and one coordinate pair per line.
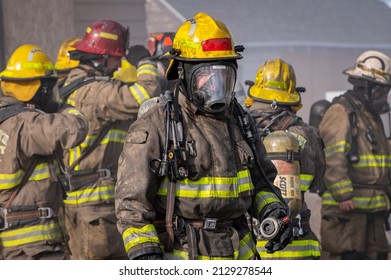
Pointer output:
x,y
46,133
336,133
110,101
136,189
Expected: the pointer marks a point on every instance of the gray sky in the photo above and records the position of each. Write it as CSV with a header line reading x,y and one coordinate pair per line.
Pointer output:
x,y
388,2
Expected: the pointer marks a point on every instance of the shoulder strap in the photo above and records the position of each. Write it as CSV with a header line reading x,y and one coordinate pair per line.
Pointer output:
x,y
349,104
65,91
8,111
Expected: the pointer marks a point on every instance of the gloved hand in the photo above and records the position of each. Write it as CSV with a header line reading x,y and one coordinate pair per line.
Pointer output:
x,y
136,53
149,257
285,232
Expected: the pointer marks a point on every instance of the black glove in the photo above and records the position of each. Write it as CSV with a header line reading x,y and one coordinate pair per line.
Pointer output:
x,y
149,257
136,53
285,232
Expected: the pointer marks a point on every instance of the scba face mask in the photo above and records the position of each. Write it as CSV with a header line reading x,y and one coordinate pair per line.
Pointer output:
x,y
212,87
379,99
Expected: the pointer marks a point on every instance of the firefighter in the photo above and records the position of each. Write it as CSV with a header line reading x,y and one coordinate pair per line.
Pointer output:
x,y
273,100
110,106
187,176
64,63
33,134
160,43
355,203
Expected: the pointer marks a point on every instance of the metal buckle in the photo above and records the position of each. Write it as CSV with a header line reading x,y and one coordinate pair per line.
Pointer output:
x,y
106,174
178,222
210,223
46,212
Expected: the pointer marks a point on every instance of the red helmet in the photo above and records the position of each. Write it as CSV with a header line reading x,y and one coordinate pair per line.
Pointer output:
x,y
105,37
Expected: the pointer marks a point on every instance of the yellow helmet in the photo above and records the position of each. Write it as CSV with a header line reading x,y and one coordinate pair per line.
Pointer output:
x,y
64,62
275,82
24,71
201,38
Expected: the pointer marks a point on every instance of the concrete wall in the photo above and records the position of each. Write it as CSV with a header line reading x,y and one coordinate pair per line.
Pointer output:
x,y
42,22
129,13
48,23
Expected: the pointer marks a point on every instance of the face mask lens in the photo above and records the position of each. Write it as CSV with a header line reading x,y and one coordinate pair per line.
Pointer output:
x,y
213,85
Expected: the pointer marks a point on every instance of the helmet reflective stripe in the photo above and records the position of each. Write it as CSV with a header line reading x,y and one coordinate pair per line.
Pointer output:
x,y
108,36
373,66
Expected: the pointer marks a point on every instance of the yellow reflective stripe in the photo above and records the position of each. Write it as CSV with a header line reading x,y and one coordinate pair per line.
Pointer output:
x,y
181,255
206,187
71,100
275,85
42,232
339,147
107,35
114,136
305,181
41,171
74,154
341,188
265,198
139,93
246,252
136,236
373,161
89,195
35,65
9,181
364,203
147,69
73,112
297,249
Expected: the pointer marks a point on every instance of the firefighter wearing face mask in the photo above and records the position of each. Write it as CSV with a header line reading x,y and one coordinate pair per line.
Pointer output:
x,y
294,146
355,203
33,135
187,176
110,106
